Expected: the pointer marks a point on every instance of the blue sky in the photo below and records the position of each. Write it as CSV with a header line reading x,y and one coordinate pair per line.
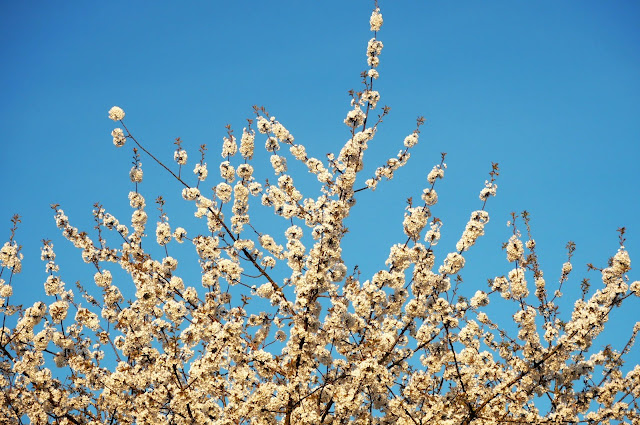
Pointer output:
x,y
550,90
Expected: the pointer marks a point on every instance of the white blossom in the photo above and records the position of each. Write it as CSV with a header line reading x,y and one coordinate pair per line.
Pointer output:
x,y
200,171
116,113
411,140
136,174
180,156
163,233
355,117
515,249
376,20
118,137
247,143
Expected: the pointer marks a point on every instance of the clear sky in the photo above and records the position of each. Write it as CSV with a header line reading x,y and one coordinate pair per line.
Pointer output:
x,y
549,90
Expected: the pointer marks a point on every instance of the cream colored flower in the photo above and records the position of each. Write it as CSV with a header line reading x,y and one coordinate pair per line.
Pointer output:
x,y
116,113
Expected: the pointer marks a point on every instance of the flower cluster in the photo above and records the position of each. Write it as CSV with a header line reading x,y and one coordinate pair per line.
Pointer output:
x,y
118,137
10,257
376,20
116,113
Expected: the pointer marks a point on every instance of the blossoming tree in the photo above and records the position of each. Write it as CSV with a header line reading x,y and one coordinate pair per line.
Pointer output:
x,y
280,329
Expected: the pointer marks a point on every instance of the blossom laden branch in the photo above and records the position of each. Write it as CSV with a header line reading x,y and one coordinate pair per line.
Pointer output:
x,y
301,339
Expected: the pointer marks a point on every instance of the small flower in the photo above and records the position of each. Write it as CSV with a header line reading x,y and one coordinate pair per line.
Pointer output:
x,y
489,189
372,97
179,234
264,126
190,193
103,279
244,171
53,285
411,140
299,152
5,291
58,311
223,192
515,249
116,113
227,171
229,146
373,51
279,163
452,264
87,318
376,20
355,117
272,144
430,196
10,257
180,156
436,173
247,143
200,171
479,299
118,137
163,233
136,200
135,175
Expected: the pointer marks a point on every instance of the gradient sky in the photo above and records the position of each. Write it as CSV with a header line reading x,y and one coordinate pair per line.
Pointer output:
x,y
549,90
